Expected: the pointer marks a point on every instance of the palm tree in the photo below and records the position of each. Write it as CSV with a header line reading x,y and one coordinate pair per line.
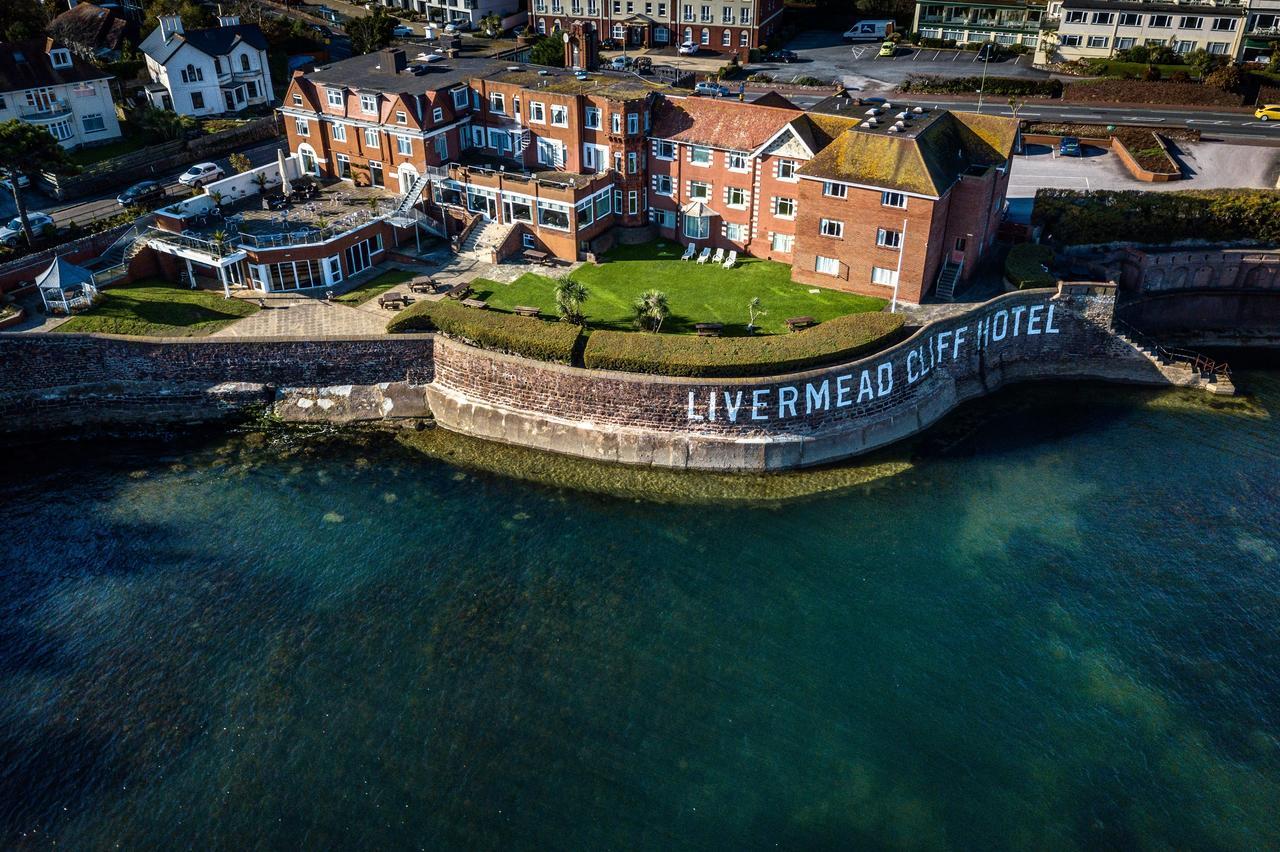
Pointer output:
x,y
651,309
570,295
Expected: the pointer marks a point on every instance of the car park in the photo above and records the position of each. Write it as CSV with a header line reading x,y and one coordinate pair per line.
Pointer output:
x,y
688,48
787,56
143,192
710,89
1267,112
11,233
200,174
1070,147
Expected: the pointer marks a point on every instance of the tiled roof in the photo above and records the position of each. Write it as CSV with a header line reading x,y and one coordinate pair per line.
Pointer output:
x,y
720,123
91,27
927,162
25,65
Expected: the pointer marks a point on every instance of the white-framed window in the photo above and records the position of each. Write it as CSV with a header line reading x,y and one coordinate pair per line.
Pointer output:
x,y
831,228
334,97
1075,16
737,161
437,114
831,189
401,117
664,218
499,140
633,202
339,132
1190,22
537,112
700,156
344,166
297,99
633,123
1103,18
662,184
559,115
699,190
735,232
615,122
1160,22
886,238
459,97
697,227
62,130
744,37
404,146
497,103
886,277
787,170
893,199
726,36
441,143
554,216
735,196
1130,19
1225,25
60,57
706,36
633,163
1217,48
781,242
784,208
1125,43
302,127
664,149
550,152
591,119
1071,40
93,123
1098,42
371,137
369,104
826,265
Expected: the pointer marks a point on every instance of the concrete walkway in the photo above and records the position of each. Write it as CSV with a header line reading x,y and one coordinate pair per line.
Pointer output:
x,y
305,316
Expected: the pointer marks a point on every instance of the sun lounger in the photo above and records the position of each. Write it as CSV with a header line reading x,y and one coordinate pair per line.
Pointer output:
x,y
706,253
718,257
732,259
689,251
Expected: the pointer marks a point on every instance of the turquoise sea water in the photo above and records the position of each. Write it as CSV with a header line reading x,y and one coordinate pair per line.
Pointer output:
x,y
1060,633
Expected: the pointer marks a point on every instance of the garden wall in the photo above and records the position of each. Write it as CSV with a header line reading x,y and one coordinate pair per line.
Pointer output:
x,y
83,250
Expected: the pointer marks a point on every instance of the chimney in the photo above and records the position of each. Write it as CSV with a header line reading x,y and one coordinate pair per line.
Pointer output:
x,y
170,25
394,58
228,20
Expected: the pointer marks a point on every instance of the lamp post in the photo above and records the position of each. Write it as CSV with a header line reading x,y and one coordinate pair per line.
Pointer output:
x,y
897,273
983,85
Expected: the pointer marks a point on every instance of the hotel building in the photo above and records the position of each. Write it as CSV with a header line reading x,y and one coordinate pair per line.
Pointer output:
x,y
722,26
1100,28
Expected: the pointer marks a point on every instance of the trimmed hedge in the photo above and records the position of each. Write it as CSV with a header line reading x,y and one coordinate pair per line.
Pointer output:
x,y
723,357
1073,217
931,84
1150,92
527,336
1024,267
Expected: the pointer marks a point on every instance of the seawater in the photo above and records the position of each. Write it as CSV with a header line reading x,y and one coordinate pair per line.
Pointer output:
x,y
1049,625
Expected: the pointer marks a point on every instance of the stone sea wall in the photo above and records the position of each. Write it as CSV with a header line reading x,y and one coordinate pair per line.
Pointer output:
x,y
64,382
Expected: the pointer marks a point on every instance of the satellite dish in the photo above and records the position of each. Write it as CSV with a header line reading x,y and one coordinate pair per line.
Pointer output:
x,y
566,38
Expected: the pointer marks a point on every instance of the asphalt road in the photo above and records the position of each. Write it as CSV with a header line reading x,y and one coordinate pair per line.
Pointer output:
x,y
84,210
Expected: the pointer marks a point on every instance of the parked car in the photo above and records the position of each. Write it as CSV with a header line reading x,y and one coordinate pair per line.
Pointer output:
x,y
460,26
687,49
787,56
1070,147
322,30
200,174
620,63
714,90
990,52
887,49
143,192
581,75
1267,112
869,31
6,185
403,31
11,234
642,65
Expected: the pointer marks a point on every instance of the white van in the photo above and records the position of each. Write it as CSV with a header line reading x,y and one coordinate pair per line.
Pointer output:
x,y
869,31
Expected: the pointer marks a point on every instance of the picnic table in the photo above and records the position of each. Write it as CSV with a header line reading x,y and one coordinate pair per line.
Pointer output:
x,y
458,291
422,284
798,323
478,304
392,300
535,256
709,329
526,311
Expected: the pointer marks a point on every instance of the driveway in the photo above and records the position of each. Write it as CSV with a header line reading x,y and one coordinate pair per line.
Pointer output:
x,y
825,55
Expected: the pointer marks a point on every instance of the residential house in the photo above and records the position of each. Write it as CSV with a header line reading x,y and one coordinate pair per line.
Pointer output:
x,y
42,83
1101,28
222,69
94,32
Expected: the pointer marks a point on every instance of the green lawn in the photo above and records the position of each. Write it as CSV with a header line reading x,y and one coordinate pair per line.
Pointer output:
x,y
375,286
124,145
1116,68
159,309
695,293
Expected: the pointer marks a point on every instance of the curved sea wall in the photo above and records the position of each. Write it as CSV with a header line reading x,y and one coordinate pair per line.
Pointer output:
x,y
794,420
70,382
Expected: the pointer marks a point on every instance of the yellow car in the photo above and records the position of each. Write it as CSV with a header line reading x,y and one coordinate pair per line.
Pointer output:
x,y
886,49
1268,112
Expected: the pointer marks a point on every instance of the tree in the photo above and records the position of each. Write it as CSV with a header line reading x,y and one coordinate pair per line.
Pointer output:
x,y
24,149
1229,78
491,26
162,124
1015,105
548,50
239,162
570,296
194,16
23,19
754,311
651,309
370,32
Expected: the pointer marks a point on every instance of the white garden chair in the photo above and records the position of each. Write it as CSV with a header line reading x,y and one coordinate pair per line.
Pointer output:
x,y
706,253
732,259
718,257
689,251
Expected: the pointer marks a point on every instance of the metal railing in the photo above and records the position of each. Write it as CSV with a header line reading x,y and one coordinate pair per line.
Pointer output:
x,y
1201,364
213,248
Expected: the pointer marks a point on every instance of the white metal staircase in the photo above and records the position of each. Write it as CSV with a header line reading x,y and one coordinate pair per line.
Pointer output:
x,y
411,197
948,278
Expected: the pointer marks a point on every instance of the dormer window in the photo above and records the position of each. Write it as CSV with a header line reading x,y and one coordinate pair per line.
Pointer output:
x,y
369,104
334,96
60,57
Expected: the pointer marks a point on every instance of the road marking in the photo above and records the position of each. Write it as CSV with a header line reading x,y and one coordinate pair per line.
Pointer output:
x,y
975,57
1019,59
955,56
936,54
1087,117
1139,118
1261,124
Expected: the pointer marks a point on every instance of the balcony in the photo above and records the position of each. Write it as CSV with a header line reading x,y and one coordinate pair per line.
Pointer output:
x,y
46,112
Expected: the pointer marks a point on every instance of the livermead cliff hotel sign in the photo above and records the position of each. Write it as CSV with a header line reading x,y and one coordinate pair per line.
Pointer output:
x,y
784,402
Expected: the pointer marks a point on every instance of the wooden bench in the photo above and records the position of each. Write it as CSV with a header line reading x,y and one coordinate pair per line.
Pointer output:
x,y
458,291
478,304
526,311
422,284
798,323
535,256
709,329
392,300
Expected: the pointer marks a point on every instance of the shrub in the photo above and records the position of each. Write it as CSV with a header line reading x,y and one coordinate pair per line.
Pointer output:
x,y
806,80
1148,92
1025,266
722,357
1072,217
1152,74
1228,78
527,336
928,84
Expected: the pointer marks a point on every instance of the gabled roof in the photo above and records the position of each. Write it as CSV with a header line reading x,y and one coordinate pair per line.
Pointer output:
x,y
63,274
773,99
926,161
26,64
91,28
214,41
719,123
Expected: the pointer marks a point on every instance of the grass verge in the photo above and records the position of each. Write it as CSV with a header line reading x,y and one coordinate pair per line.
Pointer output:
x,y
159,309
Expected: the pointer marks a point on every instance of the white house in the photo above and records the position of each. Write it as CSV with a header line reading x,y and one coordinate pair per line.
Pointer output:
x,y
207,72
41,83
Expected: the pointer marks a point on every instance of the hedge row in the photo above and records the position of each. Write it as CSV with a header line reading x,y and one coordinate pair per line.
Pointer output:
x,y
1072,217
1025,266
1145,92
721,357
527,336
931,84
